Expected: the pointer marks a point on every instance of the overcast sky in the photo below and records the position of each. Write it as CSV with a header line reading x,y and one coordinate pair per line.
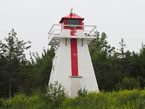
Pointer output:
x,y
32,19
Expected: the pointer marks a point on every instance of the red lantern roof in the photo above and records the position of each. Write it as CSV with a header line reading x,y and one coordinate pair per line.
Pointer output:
x,y
71,16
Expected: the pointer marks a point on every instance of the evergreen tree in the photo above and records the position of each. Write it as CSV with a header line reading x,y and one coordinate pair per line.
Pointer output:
x,y
101,52
13,51
39,70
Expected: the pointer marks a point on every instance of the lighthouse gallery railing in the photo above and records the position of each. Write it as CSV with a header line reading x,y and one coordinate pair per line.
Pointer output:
x,y
56,29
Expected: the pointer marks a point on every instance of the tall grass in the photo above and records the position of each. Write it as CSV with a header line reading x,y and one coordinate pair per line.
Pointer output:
x,y
51,98
123,99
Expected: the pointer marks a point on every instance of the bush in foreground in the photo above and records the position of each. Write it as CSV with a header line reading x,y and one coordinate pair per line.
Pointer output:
x,y
52,98
123,99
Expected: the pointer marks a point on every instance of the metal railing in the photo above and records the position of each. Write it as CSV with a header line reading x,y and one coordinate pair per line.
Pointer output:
x,y
56,29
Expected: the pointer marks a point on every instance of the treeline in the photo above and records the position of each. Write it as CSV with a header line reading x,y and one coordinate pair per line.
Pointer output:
x,y
117,69
114,69
19,75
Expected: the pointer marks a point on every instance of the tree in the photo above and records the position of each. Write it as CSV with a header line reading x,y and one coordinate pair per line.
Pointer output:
x,y
101,53
13,51
41,67
128,83
142,66
123,46
3,63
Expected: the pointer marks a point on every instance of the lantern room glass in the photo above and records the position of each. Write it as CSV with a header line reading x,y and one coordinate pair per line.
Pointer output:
x,y
73,22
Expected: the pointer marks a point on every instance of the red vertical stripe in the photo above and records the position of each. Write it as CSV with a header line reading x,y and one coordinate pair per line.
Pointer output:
x,y
74,55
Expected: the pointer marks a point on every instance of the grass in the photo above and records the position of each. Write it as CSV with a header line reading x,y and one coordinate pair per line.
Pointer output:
x,y
123,99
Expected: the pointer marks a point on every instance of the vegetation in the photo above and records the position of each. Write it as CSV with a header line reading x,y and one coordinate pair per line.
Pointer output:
x,y
51,98
123,99
12,60
133,99
115,69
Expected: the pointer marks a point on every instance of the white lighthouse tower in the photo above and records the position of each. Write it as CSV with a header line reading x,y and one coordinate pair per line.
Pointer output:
x,y
72,66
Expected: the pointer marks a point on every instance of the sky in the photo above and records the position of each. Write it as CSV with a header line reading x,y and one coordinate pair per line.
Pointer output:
x,y
32,19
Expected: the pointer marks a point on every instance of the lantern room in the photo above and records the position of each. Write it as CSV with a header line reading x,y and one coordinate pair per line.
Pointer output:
x,y
72,21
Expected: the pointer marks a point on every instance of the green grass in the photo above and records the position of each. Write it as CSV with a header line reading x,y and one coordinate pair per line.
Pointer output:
x,y
126,99
123,99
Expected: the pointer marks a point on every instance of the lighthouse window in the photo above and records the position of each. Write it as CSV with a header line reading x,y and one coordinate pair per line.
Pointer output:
x,y
73,22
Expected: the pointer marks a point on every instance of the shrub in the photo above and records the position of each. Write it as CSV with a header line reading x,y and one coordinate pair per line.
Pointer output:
x,y
124,99
1,101
128,96
18,101
55,95
50,99
82,92
128,83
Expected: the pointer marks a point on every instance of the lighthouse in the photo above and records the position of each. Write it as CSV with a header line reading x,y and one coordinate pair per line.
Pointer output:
x,y
72,66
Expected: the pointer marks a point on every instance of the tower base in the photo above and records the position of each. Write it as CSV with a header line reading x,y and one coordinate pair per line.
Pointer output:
x,y
75,85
